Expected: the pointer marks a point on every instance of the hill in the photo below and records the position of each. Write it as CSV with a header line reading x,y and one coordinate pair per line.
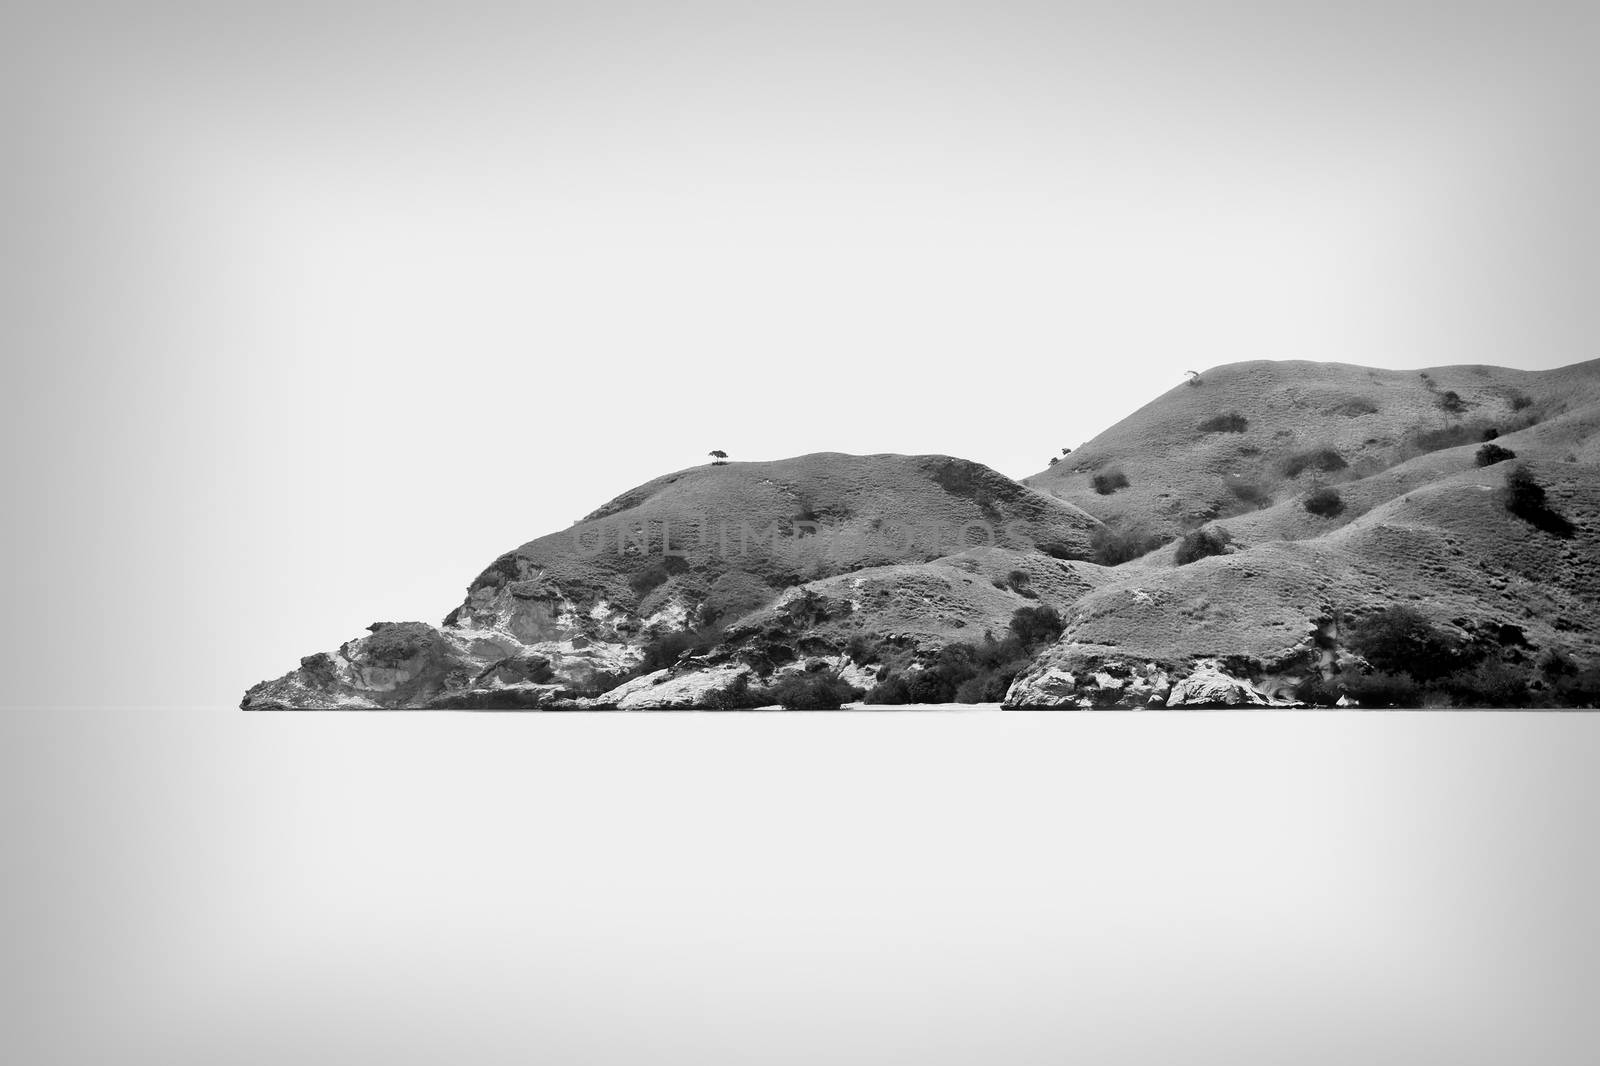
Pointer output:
x,y
1316,497
1249,435
1252,537
685,557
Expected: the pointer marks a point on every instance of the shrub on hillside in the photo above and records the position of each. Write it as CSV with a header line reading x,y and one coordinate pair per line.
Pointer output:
x,y
1355,408
668,648
1521,401
1324,459
862,649
1325,502
1382,688
1525,498
1232,422
740,695
973,673
1490,454
1112,547
646,580
1036,625
1452,402
1201,543
810,690
1401,640
1110,481
1019,582
1251,493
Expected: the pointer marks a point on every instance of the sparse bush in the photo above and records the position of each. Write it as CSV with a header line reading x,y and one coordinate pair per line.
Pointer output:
x,y
1232,422
1491,683
862,649
1400,640
1112,547
1036,625
1525,498
1110,481
1452,402
668,648
1492,433
1521,401
1580,688
1201,543
1325,502
1054,459
1490,454
1324,459
647,580
1382,688
1019,582
973,673
740,695
891,691
1248,492
813,690
1355,408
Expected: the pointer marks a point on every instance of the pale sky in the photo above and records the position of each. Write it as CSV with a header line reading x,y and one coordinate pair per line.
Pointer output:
x,y
322,310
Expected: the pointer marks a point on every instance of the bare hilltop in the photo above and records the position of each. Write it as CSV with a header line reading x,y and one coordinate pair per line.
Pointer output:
x,y
1266,533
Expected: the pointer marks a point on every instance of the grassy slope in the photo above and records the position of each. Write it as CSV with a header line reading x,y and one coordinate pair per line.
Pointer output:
x,y
1180,476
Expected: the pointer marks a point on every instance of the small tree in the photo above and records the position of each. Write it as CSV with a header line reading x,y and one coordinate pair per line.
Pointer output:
x,y
1490,454
1525,498
718,457
1201,543
1324,502
1110,481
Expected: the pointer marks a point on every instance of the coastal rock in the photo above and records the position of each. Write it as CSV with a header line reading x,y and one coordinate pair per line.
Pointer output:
x,y
1212,686
666,690
1090,680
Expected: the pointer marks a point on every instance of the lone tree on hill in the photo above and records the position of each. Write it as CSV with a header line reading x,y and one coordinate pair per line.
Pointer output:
x,y
718,456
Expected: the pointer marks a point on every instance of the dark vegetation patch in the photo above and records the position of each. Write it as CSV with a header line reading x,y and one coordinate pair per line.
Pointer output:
x,y
985,487
1200,544
1324,502
1112,546
1019,582
973,673
1490,454
645,581
1325,460
1452,403
506,568
1413,663
1109,481
1249,492
817,688
1525,498
392,643
1355,408
1232,422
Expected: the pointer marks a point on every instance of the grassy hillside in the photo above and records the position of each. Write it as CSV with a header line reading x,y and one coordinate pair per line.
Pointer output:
x,y
1238,538
1252,435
